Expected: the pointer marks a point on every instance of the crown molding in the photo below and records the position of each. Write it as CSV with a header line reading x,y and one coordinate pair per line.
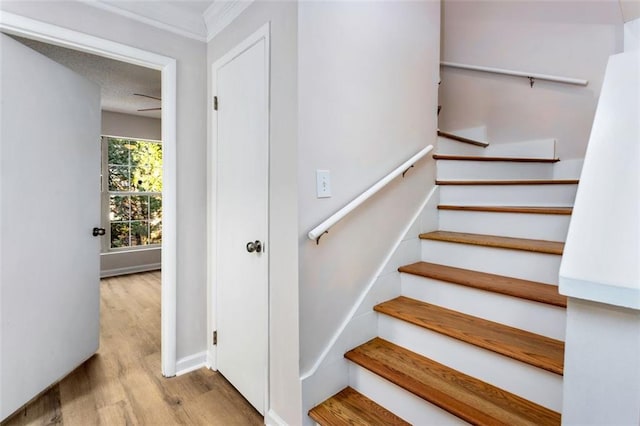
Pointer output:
x,y
145,20
221,13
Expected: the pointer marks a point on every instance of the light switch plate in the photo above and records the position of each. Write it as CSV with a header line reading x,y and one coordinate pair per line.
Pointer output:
x,y
323,183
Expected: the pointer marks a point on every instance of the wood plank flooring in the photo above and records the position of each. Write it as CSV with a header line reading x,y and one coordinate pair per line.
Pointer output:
x,y
492,159
537,246
511,209
533,349
477,402
509,182
349,407
122,383
530,290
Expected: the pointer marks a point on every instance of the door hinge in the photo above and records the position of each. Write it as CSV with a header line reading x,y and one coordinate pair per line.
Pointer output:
x,y
215,103
215,337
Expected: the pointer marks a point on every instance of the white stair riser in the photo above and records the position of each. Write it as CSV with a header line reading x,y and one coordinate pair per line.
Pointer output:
x,y
451,147
543,148
478,133
529,382
535,317
510,195
454,169
402,403
550,227
511,263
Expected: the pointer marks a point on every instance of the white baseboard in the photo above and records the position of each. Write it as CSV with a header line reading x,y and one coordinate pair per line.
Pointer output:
x,y
271,418
211,359
130,270
191,363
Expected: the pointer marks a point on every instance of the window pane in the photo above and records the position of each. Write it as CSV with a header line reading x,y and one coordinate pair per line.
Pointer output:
x,y
140,208
146,167
118,151
118,207
119,235
118,178
155,236
139,233
155,209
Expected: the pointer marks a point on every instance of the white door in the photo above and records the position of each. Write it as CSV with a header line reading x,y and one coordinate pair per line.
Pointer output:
x,y
242,225
49,204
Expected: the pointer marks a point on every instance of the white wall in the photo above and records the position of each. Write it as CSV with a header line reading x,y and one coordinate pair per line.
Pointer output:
x,y
632,35
564,38
284,386
368,74
130,126
602,365
191,135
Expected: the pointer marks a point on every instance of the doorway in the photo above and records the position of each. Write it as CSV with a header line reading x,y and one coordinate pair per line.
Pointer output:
x,y
238,218
32,29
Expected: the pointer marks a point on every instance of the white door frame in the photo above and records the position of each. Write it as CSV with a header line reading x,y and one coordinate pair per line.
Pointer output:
x,y
212,159
52,34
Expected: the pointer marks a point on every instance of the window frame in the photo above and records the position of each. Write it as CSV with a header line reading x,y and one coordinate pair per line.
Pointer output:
x,y
105,194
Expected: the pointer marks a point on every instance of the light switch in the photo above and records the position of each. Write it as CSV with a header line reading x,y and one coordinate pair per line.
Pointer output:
x,y
323,183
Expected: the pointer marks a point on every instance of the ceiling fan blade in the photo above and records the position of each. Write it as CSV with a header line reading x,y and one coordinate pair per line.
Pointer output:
x,y
150,109
147,96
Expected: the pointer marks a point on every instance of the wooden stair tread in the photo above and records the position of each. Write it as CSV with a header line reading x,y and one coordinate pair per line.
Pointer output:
x,y
512,209
523,289
534,349
484,158
538,246
510,182
471,399
462,139
350,407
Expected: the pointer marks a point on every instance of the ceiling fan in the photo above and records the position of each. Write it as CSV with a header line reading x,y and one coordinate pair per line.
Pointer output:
x,y
150,97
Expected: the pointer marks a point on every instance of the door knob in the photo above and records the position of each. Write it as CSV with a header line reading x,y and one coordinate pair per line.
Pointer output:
x,y
98,231
254,246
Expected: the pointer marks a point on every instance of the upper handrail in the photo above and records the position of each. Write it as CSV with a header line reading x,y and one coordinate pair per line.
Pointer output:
x,y
323,228
531,76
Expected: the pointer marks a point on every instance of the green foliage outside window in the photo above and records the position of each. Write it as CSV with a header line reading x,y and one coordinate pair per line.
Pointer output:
x,y
135,187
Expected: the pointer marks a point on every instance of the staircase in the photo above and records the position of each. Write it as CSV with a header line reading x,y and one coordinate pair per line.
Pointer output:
x,y
477,334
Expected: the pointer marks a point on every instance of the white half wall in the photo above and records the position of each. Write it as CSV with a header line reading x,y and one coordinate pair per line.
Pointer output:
x,y
563,38
284,380
367,100
191,147
600,260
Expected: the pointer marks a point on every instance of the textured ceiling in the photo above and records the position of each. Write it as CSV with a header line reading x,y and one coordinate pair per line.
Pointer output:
x,y
118,80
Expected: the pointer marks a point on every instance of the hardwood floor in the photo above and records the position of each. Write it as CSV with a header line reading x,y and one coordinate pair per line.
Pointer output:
x,y
122,383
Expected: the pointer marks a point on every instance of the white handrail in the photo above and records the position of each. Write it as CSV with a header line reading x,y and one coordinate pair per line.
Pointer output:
x,y
319,230
530,76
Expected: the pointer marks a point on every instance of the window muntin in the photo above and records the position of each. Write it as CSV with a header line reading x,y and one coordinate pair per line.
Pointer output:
x,y
134,185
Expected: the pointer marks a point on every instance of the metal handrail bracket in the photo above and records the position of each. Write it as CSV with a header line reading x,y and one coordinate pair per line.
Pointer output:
x,y
323,228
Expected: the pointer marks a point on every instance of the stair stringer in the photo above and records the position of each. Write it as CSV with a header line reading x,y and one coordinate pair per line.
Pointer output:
x,y
331,373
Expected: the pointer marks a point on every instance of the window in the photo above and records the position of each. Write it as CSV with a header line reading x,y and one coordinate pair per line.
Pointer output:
x,y
132,175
